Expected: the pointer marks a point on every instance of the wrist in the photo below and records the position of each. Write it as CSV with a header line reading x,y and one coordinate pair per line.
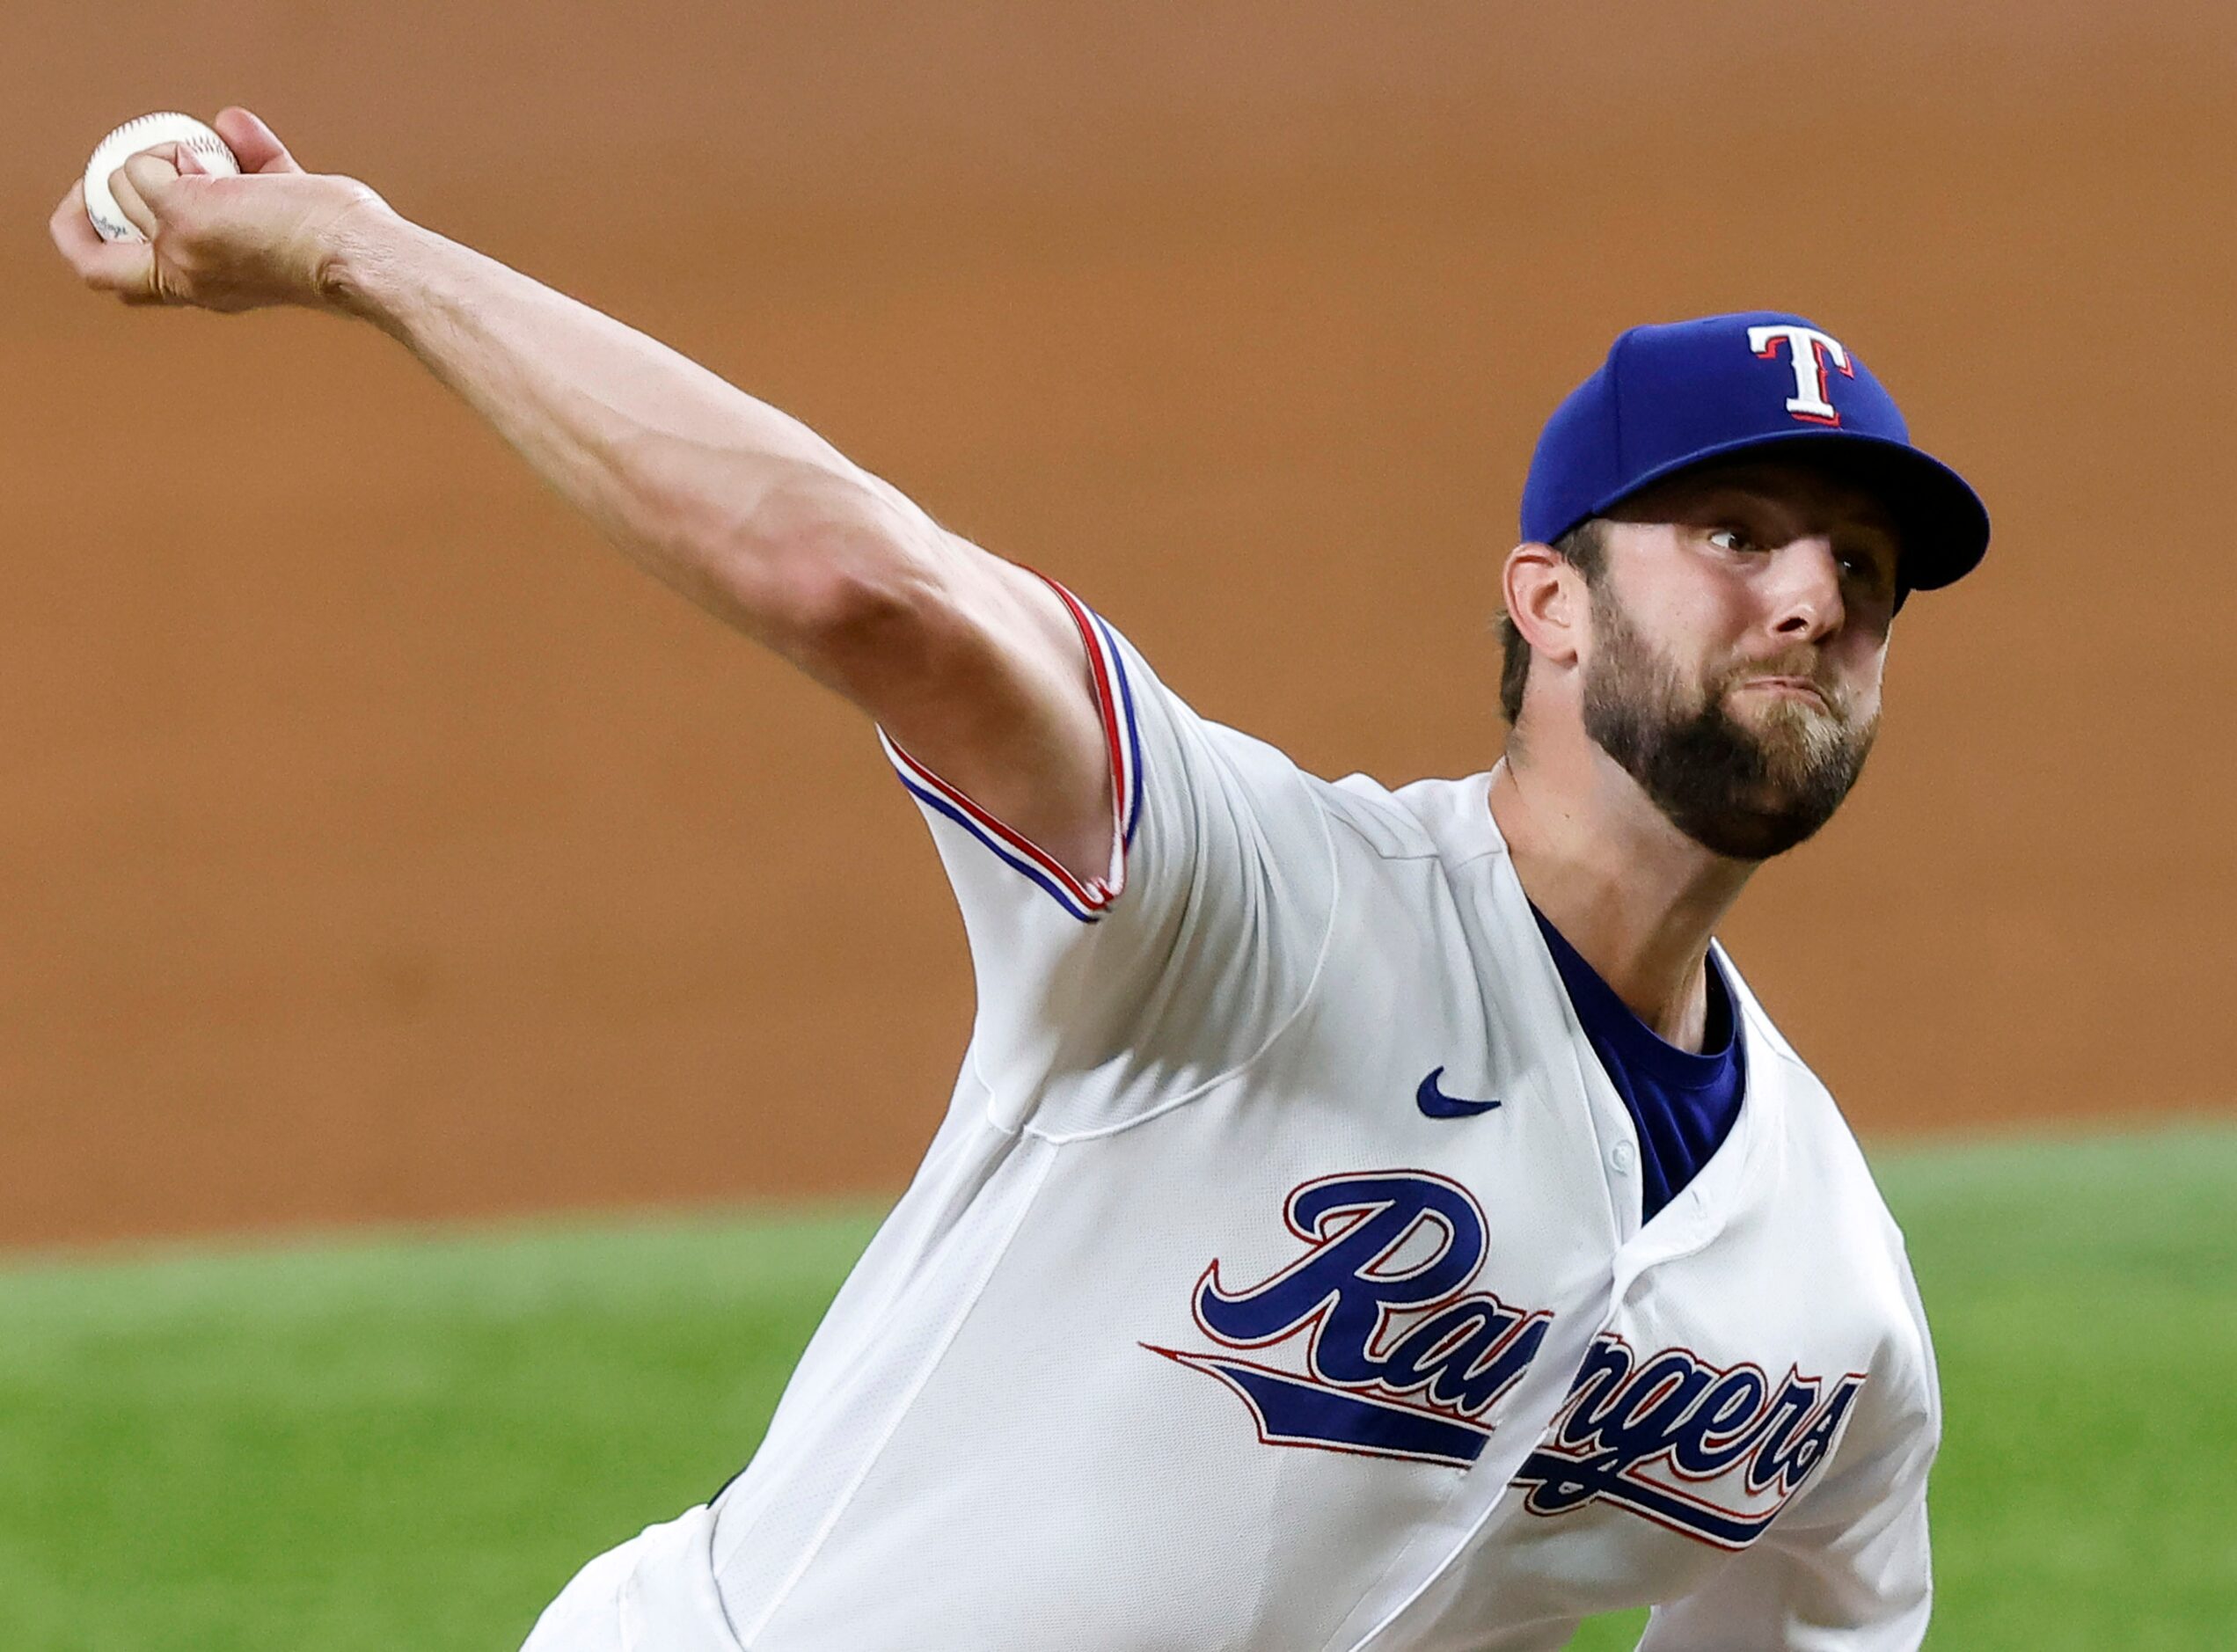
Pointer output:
x,y
361,266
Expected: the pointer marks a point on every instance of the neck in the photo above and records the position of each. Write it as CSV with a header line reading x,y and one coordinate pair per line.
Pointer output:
x,y
1635,896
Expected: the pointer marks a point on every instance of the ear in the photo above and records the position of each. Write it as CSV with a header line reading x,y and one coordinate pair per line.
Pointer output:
x,y
1544,598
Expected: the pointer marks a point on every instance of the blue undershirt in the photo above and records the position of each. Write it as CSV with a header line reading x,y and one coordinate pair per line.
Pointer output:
x,y
1682,1105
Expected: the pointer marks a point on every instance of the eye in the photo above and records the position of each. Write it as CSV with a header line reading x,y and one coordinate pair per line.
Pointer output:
x,y
1731,539
1866,570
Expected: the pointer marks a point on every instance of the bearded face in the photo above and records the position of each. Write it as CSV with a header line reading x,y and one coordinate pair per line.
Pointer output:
x,y
1745,773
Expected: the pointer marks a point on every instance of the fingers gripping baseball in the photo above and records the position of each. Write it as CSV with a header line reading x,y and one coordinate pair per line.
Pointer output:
x,y
265,237
253,144
143,176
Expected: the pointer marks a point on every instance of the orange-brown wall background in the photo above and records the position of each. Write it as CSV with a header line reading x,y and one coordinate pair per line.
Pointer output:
x,y
374,844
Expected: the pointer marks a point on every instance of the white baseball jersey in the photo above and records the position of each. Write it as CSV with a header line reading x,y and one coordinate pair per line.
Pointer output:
x,y
1277,1282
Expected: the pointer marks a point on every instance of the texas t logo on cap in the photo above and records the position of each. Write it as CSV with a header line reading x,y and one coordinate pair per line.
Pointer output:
x,y
1812,352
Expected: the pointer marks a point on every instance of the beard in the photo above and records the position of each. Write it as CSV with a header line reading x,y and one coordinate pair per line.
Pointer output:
x,y
1745,792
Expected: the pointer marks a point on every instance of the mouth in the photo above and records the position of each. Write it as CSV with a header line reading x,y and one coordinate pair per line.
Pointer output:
x,y
1788,687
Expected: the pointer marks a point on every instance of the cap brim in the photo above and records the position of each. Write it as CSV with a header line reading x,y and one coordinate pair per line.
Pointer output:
x,y
1943,525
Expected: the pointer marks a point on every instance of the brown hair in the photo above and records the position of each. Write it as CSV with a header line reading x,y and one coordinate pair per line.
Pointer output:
x,y
1584,548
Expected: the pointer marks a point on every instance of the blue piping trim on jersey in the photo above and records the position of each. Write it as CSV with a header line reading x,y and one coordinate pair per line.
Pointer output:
x,y
1133,734
1000,849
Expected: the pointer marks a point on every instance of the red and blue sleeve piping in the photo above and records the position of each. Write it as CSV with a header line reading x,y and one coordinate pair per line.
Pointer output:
x,y
1084,899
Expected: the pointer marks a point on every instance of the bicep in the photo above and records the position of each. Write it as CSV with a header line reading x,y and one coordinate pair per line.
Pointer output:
x,y
1007,709
974,667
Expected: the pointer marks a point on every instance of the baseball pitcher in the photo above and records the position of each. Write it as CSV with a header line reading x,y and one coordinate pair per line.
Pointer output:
x,y
1365,1219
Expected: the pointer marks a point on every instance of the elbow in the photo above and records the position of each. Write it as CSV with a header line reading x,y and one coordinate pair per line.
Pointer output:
x,y
827,572
843,608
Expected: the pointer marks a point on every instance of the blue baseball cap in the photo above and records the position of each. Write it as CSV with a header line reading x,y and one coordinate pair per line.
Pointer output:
x,y
1671,396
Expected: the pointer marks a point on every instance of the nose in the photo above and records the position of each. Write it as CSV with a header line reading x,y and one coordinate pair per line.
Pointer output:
x,y
1807,591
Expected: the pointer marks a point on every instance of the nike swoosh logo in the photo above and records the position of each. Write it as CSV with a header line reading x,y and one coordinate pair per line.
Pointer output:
x,y
1435,1104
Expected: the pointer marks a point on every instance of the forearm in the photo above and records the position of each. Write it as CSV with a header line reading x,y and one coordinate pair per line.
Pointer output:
x,y
722,496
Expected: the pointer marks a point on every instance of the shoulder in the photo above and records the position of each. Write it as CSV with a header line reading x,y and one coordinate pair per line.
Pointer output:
x,y
1430,819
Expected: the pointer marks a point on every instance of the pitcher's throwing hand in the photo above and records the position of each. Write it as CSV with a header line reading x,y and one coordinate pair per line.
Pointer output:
x,y
263,239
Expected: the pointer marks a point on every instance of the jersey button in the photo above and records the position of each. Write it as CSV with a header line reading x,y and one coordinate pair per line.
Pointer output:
x,y
1619,1157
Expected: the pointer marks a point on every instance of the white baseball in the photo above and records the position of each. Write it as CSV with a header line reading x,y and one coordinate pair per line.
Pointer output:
x,y
128,140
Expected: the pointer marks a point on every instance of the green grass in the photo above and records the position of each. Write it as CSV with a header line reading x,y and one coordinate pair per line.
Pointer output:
x,y
409,1444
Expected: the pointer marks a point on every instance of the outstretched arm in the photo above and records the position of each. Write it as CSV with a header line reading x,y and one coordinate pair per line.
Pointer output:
x,y
969,661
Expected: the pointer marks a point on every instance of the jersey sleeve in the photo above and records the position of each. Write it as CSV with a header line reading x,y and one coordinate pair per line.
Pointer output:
x,y
1846,1568
1192,950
